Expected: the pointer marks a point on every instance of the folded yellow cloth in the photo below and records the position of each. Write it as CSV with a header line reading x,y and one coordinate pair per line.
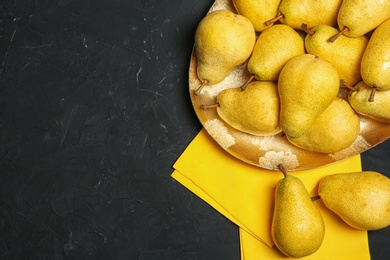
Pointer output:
x,y
244,194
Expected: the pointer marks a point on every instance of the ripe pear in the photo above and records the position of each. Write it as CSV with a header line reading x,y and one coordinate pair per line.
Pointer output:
x,y
356,18
334,130
361,199
378,110
297,226
307,86
254,110
312,13
223,41
375,64
345,54
274,47
258,12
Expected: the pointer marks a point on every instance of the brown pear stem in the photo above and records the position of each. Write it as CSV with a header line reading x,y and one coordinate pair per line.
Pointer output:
x,y
334,37
307,30
372,94
346,85
243,87
273,20
315,198
204,107
204,82
282,169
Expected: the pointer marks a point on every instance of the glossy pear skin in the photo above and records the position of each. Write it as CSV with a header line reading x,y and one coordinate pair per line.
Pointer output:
x,y
223,40
378,110
297,226
334,130
274,47
361,199
362,16
258,12
345,54
311,13
254,110
307,86
375,66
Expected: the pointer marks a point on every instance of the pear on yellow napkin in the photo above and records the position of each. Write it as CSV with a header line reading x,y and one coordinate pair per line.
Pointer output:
x,y
245,195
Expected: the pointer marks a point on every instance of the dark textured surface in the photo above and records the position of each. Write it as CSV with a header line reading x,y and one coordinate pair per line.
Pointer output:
x,y
94,110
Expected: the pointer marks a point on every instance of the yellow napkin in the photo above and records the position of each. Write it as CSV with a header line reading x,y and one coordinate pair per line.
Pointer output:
x,y
244,194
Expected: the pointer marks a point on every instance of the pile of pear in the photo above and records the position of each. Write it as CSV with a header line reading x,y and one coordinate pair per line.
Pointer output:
x,y
314,68
361,200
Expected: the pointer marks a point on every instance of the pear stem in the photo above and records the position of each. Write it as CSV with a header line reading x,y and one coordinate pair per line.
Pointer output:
x,y
372,94
307,30
282,169
315,198
204,107
243,87
273,20
334,37
346,85
204,82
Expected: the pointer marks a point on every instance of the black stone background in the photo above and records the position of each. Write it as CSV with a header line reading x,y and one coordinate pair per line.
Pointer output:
x,y
94,111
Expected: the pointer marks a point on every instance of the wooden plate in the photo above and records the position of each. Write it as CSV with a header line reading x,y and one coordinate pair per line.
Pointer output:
x,y
268,152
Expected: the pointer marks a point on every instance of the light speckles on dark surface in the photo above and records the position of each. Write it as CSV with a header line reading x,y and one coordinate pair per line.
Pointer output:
x,y
94,111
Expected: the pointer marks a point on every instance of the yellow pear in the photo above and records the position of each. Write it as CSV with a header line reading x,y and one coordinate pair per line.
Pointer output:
x,y
345,54
295,12
356,18
307,86
254,110
297,226
361,199
274,47
223,41
379,110
258,12
375,64
333,130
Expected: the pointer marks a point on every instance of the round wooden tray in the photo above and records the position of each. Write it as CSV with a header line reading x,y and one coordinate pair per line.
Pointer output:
x,y
268,152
